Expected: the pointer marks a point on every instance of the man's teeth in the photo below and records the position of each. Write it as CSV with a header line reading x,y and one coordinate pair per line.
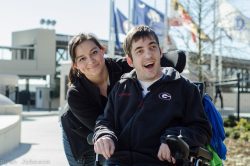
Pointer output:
x,y
149,64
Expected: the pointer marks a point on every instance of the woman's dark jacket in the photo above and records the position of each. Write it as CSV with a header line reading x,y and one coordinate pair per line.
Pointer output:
x,y
138,125
86,104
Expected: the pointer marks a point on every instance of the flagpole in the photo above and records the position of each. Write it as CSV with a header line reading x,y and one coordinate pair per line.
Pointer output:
x,y
129,14
111,45
212,57
220,59
220,51
188,50
166,27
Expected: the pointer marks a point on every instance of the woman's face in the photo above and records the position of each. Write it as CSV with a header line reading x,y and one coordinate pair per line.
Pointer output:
x,y
89,59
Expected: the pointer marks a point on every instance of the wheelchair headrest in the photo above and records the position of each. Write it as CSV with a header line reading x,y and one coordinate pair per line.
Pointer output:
x,y
176,59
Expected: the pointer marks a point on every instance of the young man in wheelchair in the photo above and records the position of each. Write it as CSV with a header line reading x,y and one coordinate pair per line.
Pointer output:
x,y
148,105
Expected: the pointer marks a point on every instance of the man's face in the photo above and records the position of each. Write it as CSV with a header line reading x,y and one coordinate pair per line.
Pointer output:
x,y
146,57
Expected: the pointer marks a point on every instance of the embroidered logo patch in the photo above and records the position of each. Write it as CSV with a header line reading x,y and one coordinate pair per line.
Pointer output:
x,y
165,96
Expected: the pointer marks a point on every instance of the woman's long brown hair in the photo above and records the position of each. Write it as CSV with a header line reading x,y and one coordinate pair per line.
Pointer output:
x,y
74,42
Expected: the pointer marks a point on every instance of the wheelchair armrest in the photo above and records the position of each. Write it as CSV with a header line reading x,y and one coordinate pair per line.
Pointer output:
x,y
178,147
200,152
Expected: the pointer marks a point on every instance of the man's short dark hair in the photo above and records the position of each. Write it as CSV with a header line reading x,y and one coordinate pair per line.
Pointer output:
x,y
136,33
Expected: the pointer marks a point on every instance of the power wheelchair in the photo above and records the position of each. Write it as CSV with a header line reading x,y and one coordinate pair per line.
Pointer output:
x,y
184,155
180,150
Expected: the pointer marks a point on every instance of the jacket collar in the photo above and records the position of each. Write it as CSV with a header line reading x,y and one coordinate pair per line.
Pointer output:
x,y
169,74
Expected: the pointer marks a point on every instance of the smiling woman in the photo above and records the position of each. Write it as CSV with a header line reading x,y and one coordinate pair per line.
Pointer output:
x,y
91,78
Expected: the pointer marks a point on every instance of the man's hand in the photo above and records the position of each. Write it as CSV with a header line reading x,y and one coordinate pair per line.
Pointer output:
x,y
104,146
165,154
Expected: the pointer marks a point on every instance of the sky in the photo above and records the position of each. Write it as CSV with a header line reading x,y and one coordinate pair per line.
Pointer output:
x,y
72,16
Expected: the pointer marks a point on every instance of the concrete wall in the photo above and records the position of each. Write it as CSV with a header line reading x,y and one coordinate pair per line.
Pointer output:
x,y
10,80
44,43
8,83
10,133
230,101
15,109
65,67
10,127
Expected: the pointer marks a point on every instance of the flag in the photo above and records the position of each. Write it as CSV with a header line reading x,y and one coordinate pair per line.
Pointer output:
x,y
117,28
193,37
145,14
122,26
112,28
174,17
187,21
174,21
117,40
123,23
234,23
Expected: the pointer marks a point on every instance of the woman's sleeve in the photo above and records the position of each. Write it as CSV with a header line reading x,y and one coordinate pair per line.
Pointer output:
x,y
82,109
122,62
105,122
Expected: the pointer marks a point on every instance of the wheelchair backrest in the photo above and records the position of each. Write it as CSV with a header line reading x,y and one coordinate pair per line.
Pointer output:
x,y
200,86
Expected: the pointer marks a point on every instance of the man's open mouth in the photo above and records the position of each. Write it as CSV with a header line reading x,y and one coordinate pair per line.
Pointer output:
x,y
149,65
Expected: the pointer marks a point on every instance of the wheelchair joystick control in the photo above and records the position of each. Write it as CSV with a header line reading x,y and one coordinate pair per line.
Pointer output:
x,y
178,147
180,136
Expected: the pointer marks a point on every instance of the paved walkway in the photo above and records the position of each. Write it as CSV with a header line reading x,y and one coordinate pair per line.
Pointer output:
x,y
41,141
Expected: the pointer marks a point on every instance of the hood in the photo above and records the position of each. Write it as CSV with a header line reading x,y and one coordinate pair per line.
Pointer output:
x,y
169,74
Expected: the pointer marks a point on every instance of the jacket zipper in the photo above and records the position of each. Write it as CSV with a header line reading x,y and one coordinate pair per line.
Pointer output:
x,y
133,121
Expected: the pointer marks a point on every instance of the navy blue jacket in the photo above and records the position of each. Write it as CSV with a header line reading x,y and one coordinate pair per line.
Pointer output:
x,y
138,125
